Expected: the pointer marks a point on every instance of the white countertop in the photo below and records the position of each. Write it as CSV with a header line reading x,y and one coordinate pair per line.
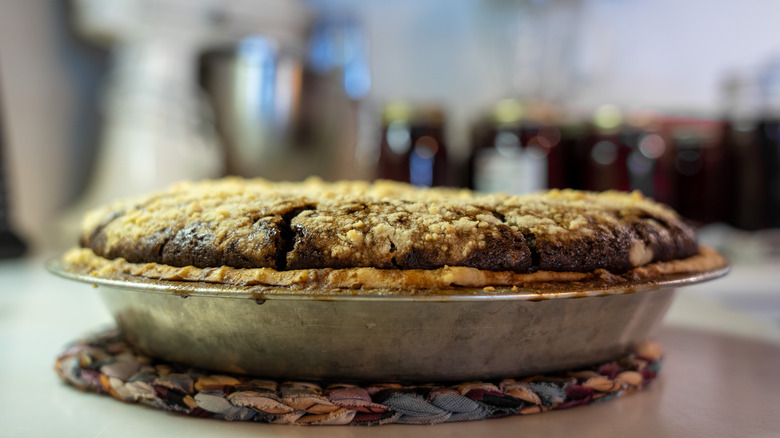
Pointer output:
x,y
39,313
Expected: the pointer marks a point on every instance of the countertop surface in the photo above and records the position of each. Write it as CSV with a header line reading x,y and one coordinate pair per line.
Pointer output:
x,y
719,379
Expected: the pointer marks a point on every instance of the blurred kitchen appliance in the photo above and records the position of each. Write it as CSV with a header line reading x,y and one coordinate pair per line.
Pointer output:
x,y
265,111
10,244
155,127
289,109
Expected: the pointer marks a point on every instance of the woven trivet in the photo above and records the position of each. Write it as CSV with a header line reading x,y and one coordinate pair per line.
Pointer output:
x,y
106,364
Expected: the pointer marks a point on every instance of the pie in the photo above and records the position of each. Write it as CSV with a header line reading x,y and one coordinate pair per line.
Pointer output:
x,y
353,237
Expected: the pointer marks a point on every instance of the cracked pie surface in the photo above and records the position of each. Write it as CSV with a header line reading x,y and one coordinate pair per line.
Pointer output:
x,y
358,235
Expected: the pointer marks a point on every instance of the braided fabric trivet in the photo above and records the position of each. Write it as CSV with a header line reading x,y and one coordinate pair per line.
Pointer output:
x,y
106,364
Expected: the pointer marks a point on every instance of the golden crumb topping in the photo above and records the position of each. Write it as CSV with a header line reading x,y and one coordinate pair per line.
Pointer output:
x,y
387,225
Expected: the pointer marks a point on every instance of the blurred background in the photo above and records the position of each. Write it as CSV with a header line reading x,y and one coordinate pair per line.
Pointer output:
x,y
681,100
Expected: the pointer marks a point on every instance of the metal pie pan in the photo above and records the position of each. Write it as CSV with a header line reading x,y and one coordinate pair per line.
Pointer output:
x,y
383,335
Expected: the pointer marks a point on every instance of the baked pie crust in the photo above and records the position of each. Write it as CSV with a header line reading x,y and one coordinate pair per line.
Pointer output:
x,y
448,279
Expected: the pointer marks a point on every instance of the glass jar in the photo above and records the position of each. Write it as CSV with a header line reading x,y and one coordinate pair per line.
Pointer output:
x,y
413,148
512,150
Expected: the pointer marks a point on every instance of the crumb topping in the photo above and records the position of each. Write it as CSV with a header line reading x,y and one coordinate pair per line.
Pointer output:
x,y
386,225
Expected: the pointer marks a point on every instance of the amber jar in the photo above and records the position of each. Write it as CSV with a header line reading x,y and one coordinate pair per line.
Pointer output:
x,y
512,150
699,172
605,152
412,148
751,143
